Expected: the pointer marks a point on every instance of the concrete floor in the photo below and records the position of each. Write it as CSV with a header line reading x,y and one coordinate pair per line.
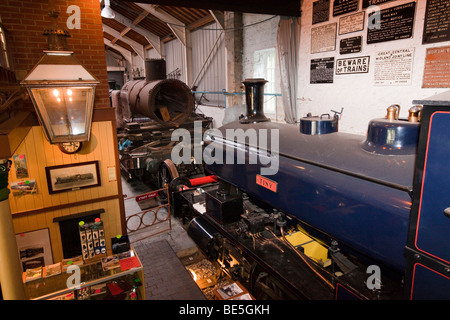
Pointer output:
x,y
161,250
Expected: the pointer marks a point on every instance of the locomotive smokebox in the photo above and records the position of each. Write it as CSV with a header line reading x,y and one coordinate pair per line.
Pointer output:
x,y
168,102
254,98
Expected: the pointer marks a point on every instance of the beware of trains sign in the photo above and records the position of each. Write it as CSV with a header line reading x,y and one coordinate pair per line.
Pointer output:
x,y
352,65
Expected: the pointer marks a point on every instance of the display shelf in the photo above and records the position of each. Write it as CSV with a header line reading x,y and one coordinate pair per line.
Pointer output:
x,y
95,283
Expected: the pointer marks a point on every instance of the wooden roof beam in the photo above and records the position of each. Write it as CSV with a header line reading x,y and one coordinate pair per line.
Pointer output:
x,y
137,47
219,17
180,31
177,27
153,39
126,53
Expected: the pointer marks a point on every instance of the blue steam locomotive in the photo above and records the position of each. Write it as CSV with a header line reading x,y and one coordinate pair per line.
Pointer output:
x,y
342,217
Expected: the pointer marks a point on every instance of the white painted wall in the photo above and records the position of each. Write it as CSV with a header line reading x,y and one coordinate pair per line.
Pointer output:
x,y
357,94
260,34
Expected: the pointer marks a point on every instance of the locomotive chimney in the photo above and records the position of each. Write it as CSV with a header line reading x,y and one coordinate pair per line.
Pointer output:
x,y
254,98
155,69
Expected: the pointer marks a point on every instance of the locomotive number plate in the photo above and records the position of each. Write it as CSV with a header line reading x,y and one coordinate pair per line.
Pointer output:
x,y
266,183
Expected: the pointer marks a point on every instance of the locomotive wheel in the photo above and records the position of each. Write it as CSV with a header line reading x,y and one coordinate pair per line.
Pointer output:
x,y
166,173
265,287
178,183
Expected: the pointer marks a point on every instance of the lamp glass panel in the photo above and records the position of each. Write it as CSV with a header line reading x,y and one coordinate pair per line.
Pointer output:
x,y
65,111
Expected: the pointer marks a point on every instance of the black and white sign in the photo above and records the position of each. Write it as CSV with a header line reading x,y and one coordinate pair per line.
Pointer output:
x,y
323,38
368,3
321,11
350,45
322,70
437,21
394,67
395,23
351,23
344,6
352,65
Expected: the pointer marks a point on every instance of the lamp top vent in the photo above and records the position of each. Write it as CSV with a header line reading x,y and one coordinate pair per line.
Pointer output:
x,y
56,35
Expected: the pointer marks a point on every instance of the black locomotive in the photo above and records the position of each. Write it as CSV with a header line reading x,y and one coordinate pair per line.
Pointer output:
x,y
148,110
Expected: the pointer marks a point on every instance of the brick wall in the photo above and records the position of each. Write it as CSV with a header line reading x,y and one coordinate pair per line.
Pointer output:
x,y
25,21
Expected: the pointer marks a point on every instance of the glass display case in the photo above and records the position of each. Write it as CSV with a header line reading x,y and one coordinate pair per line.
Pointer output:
x,y
116,277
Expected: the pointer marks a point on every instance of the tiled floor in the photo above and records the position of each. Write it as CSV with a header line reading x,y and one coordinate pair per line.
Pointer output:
x,y
165,276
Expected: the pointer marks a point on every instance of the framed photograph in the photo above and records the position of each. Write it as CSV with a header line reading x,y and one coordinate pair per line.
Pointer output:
x,y
74,176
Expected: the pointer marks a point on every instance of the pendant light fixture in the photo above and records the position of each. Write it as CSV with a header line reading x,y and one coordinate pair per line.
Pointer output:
x,y
107,12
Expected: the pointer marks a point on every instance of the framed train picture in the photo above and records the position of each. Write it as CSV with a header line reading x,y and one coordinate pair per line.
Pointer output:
x,y
70,177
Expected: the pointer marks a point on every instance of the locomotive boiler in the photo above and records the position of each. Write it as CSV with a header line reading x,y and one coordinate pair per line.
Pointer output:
x,y
343,217
147,112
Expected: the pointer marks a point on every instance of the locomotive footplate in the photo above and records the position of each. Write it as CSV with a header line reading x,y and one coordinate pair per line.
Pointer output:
x,y
286,270
262,259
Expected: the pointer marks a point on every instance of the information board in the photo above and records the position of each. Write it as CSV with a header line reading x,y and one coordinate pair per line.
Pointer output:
x,y
394,67
322,70
437,21
437,68
368,3
323,38
351,23
344,6
321,11
350,45
396,23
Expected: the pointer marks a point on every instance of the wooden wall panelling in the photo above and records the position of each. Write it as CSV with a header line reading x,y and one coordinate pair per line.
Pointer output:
x,y
39,154
37,211
111,221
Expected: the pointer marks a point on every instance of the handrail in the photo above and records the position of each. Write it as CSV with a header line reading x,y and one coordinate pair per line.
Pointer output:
x,y
225,93
155,210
